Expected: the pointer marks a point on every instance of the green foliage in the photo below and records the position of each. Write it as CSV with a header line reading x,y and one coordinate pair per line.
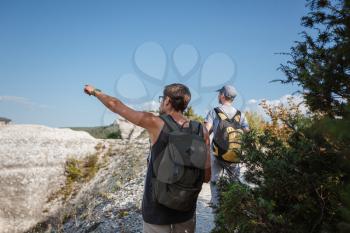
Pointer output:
x,y
190,114
77,172
82,170
299,166
255,121
321,64
344,211
337,133
90,167
114,135
235,196
296,181
73,170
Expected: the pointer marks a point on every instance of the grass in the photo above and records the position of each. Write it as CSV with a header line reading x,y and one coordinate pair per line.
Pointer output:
x,y
100,146
77,172
80,171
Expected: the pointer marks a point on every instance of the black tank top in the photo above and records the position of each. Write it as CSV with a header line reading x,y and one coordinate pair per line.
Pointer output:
x,y
152,212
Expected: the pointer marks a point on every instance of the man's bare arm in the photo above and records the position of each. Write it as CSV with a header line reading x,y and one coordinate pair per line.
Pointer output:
x,y
143,119
208,126
207,174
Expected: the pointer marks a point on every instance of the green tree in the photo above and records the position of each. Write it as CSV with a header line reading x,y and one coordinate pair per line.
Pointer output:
x,y
299,169
190,114
321,64
300,165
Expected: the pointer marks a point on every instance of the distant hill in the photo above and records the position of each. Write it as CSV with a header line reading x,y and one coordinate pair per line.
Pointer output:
x,y
4,120
101,132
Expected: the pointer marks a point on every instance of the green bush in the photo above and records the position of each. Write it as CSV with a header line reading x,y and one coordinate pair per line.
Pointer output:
x,y
77,172
300,165
298,180
190,114
114,135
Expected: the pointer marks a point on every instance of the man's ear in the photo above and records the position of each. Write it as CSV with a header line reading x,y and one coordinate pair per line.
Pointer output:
x,y
219,97
167,101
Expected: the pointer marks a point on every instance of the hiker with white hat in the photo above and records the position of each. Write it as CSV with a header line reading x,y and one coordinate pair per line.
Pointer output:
x,y
225,124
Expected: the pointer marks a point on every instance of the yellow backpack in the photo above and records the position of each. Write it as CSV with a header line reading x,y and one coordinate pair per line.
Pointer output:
x,y
227,138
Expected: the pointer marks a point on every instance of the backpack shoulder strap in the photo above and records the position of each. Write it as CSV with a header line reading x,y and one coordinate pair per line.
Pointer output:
x,y
237,117
221,114
169,122
196,128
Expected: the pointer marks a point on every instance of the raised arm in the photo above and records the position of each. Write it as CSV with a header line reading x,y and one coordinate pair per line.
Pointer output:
x,y
143,119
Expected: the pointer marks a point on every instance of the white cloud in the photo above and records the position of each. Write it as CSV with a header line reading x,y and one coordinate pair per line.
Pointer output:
x,y
22,101
150,106
253,104
252,101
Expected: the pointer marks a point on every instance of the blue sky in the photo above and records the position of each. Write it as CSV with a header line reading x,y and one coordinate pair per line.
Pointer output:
x,y
50,49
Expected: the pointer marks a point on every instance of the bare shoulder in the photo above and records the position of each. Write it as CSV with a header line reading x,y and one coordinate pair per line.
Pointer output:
x,y
153,124
150,120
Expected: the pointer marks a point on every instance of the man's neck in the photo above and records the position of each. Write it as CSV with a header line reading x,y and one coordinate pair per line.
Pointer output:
x,y
226,103
174,113
178,116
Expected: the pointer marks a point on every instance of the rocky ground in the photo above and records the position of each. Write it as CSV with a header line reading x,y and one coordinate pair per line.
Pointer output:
x,y
32,159
108,201
112,201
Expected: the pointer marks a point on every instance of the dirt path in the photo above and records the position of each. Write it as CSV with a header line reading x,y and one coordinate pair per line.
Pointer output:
x,y
205,217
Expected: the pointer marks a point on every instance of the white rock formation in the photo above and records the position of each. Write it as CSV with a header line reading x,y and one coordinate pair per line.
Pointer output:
x,y
32,159
128,130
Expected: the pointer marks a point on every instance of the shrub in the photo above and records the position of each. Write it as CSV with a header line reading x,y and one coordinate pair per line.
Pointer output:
x,y
190,114
114,135
300,165
299,170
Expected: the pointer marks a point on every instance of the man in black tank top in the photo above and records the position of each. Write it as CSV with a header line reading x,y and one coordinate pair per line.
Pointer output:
x,y
175,99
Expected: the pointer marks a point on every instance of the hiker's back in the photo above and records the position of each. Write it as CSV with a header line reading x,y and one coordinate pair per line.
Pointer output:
x,y
168,212
229,110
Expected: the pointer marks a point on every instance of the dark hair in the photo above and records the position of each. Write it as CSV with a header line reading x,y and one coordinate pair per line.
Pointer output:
x,y
179,95
230,99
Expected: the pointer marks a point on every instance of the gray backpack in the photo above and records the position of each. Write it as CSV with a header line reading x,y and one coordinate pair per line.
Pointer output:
x,y
179,170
